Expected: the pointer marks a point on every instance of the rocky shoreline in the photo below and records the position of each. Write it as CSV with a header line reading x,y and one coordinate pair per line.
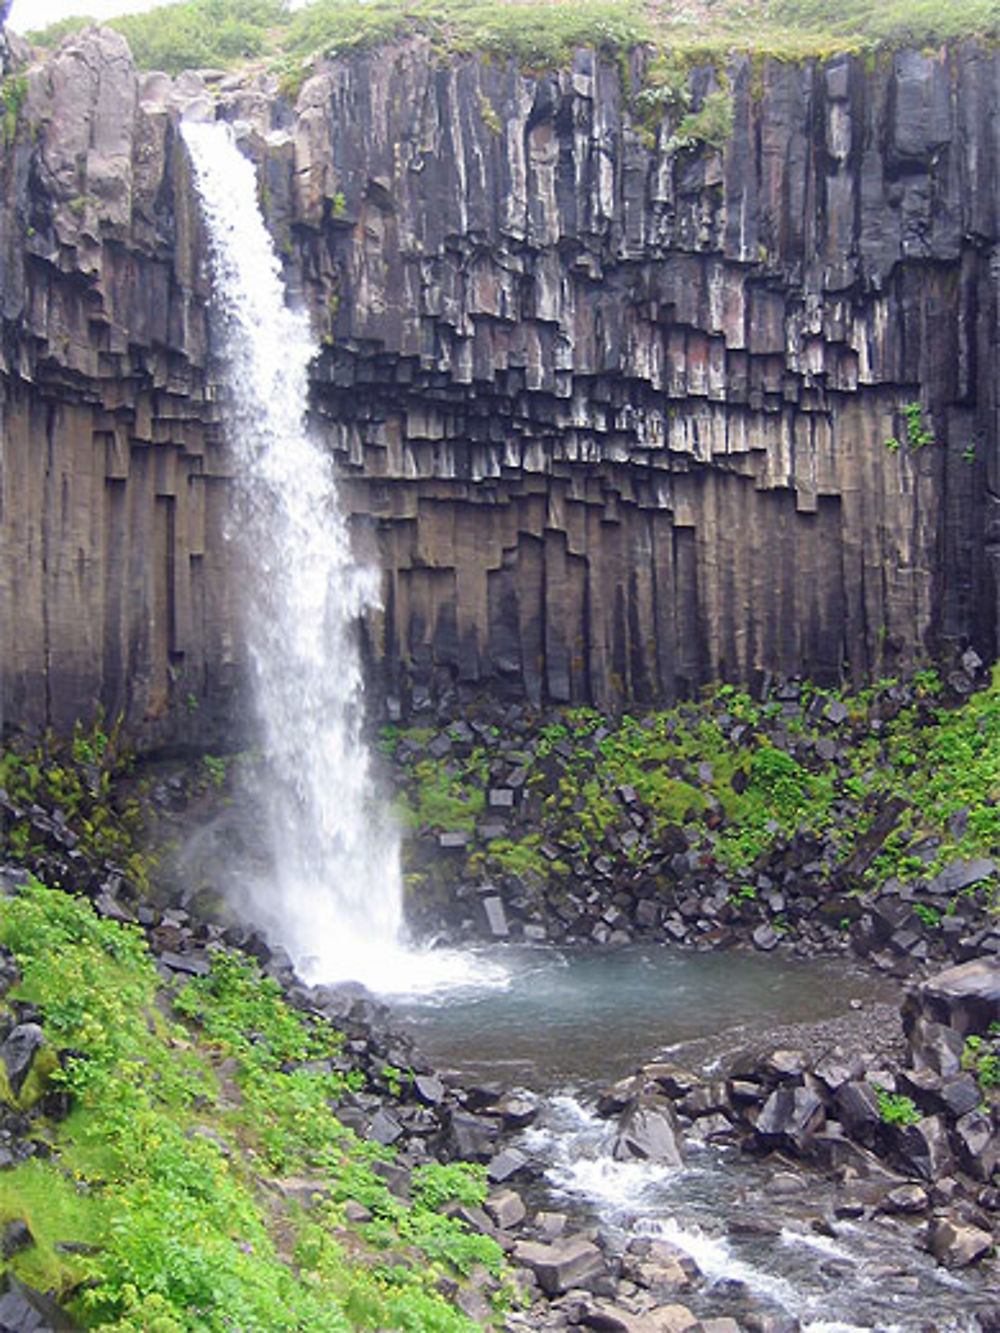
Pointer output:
x,y
891,1123
816,1110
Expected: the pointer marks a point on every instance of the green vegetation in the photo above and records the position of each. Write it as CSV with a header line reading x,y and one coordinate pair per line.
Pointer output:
x,y
541,33
895,1108
711,124
915,431
981,1057
733,781
65,793
13,91
444,795
156,1204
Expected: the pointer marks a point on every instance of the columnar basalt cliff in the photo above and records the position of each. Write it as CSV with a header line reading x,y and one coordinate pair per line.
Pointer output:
x,y
616,416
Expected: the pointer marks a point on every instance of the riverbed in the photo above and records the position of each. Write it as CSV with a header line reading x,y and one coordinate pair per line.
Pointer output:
x,y
769,1236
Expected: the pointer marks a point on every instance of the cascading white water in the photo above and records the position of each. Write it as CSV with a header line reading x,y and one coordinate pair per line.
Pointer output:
x,y
336,903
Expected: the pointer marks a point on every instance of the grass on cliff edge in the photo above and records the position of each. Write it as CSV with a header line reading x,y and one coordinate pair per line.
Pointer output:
x,y
538,33
156,1204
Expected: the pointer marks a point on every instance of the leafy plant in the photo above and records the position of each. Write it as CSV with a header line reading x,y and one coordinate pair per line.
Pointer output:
x,y
982,1059
917,433
896,1108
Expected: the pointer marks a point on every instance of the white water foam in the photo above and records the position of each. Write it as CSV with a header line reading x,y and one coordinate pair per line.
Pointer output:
x,y
335,899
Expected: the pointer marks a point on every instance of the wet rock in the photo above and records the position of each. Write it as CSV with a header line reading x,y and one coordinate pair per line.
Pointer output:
x,y
507,1164
606,1317
957,1245
765,938
472,1136
673,1080
496,917
837,1067
790,1116
772,1322
561,1264
429,1089
906,1199
714,1128
858,1110
650,1132
672,1319
785,1064
517,1112
549,1224
923,1148
658,1265
612,1101
935,1046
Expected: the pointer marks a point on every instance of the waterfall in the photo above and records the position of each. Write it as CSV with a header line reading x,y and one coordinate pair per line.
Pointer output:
x,y
335,896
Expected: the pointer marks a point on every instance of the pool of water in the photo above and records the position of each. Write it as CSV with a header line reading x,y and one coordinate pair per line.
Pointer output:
x,y
584,1018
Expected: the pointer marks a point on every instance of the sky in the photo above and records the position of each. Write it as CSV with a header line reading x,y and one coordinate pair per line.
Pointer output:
x,y
28,14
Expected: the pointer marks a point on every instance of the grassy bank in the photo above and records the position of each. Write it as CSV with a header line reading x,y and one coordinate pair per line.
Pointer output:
x,y
188,1169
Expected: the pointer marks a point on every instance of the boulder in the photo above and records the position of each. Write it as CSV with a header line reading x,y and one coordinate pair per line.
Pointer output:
x,y
906,1199
790,1117
836,1067
965,998
496,918
18,1053
935,1046
961,874
658,1265
977,1143
923,1148
561,1264
858,1110
956,1244
473,1137
649,1131
506,1209
507,1164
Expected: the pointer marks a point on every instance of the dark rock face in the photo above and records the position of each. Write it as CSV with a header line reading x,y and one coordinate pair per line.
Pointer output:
x,y
613,418
965,998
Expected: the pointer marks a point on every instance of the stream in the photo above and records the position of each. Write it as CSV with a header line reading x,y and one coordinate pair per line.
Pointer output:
x,y
763,1233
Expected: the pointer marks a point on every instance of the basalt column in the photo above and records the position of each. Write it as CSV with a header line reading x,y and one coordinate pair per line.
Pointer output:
x,y
619,410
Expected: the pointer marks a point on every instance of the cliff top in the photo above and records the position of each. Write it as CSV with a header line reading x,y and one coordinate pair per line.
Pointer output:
x,y
539,33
